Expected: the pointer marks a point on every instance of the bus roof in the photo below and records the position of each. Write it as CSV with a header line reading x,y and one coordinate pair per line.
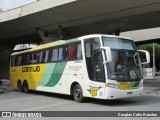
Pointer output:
x,y
47,45
104,35
63,42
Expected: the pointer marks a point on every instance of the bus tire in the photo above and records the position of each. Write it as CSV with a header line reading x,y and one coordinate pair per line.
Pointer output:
x,y
78,94
25,86
20,86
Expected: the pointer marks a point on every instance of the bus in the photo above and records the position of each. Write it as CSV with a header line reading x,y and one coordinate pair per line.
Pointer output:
x,y
92,66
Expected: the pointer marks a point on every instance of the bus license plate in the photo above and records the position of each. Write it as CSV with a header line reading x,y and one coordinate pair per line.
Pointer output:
x,y
129,93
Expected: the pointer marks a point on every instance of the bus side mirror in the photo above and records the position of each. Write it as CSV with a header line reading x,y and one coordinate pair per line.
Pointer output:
x,y
108,54
147,55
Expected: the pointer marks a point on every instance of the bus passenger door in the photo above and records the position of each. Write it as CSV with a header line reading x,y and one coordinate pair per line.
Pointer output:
x,y
98,75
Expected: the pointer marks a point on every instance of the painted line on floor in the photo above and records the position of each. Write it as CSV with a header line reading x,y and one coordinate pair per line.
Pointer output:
x,y
45,106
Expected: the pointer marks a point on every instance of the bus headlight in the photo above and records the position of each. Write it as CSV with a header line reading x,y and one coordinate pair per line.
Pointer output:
x,y
111,85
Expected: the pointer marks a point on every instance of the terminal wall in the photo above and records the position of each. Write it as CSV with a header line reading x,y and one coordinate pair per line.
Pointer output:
x,y
4,62
4,69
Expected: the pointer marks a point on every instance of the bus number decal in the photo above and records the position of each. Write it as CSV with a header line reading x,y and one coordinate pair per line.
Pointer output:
x,y
94,90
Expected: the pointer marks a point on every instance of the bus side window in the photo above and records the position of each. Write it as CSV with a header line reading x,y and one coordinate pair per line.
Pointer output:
x,y
79,52
91,45
30,58
71,52
40,55
19,60
54,54
37,57
13,61
88,59
34,57
24,59
27,58
60,56
46,56
43,57
96,44
65,54
16,60
88,49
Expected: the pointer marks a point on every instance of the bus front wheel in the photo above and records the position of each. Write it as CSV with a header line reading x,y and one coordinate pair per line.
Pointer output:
x,y
77,93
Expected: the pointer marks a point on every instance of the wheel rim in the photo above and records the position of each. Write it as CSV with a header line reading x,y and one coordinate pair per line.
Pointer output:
x,y
19,86
25,87
77,92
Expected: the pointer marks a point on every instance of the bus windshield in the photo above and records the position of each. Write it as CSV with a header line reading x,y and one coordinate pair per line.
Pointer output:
x,y
125,60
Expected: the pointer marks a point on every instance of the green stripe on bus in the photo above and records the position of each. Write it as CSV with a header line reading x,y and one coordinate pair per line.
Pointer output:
x,y
57,73
47,74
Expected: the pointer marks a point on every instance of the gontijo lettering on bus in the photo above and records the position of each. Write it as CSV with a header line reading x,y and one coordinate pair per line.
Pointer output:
x,y
31,69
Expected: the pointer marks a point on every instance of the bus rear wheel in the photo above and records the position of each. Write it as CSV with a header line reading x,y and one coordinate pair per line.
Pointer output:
x,y
77,93
25,86
20,86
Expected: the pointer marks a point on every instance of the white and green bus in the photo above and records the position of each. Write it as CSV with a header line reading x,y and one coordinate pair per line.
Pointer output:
x,y
92,66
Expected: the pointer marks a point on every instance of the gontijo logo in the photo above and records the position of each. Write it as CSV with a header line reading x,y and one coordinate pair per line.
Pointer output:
x,y
93,91
31,69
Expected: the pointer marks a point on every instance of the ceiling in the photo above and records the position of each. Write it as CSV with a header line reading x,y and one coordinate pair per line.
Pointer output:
x,y
83,17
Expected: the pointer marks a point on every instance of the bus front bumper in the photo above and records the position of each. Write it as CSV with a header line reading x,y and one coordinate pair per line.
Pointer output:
x,y
112,93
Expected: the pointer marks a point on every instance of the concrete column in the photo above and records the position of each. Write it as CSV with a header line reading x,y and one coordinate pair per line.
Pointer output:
x,y
5,62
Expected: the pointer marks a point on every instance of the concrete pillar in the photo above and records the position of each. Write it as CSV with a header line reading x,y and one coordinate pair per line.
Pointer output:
x,y
5,62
